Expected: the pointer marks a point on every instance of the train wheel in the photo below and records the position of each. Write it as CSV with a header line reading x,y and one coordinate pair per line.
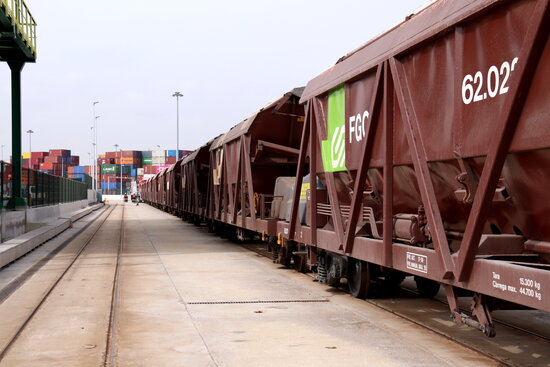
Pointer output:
x,y
218,228
426,287
300,262
358,278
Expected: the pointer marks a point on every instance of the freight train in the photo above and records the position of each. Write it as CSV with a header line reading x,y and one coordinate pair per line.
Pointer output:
x,y
425,152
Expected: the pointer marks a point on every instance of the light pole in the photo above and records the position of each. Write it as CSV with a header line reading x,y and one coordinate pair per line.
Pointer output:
x,y
94,147
90,155
96,152
158,148
30,146
177,95
120,160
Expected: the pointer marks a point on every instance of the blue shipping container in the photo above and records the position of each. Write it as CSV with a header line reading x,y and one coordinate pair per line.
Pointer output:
x,y
133,172
170,153
110,185
78,169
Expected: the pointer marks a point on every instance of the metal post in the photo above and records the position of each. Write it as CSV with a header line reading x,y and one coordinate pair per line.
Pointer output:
x,y
30,146
96,153
177,95
94,147
16,67
90,155
2,184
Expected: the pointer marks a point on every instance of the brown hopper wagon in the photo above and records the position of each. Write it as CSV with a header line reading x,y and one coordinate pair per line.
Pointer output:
x,y
432,141
194,183
245,163
424,152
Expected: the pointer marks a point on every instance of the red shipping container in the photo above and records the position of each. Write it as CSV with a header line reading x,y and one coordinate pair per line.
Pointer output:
x,y
109,178
112,154
37,160
130,153
170,160
102,161
75,160
46,166
39,154
53,159
60,152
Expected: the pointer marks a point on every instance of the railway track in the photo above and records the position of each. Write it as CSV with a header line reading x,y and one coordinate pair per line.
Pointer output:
x,y
110,345
110,351
479,343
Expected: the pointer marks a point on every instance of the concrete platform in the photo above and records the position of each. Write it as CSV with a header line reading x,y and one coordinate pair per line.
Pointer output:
x,y
20,246
188,298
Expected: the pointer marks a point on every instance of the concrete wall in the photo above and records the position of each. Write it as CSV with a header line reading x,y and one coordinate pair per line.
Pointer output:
x,y
15,223
13,249
52,212
92,196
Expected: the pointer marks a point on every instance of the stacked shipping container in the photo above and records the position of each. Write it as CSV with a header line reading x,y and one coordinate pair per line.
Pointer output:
x,y
113,167
56,161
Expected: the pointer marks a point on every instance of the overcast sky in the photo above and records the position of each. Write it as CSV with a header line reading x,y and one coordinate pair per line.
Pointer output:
x,y
228,58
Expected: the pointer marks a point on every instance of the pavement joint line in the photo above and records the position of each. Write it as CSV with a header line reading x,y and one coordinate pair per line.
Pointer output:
x,y
110,354
178,294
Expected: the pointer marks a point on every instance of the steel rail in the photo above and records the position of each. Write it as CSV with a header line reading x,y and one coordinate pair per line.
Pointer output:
x,y
495,320
35,309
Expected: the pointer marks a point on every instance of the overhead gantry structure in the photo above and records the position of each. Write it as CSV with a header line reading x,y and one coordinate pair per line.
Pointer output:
x,y
17,46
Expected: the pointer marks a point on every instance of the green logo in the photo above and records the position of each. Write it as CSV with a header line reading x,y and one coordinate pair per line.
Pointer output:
x,y
334,148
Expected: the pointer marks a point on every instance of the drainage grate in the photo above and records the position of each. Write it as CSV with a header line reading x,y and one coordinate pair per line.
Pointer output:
x,y
259,301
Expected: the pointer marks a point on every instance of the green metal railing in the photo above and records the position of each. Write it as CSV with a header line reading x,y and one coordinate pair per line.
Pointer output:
x,y
22,21
40,188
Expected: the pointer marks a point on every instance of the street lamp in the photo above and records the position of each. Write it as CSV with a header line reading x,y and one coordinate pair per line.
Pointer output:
x,y
157,165
120,160
96,152
177,95
30,146
94,147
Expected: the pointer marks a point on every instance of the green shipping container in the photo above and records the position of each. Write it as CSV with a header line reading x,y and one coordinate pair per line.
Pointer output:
x,y
147,160
110,168
115,169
